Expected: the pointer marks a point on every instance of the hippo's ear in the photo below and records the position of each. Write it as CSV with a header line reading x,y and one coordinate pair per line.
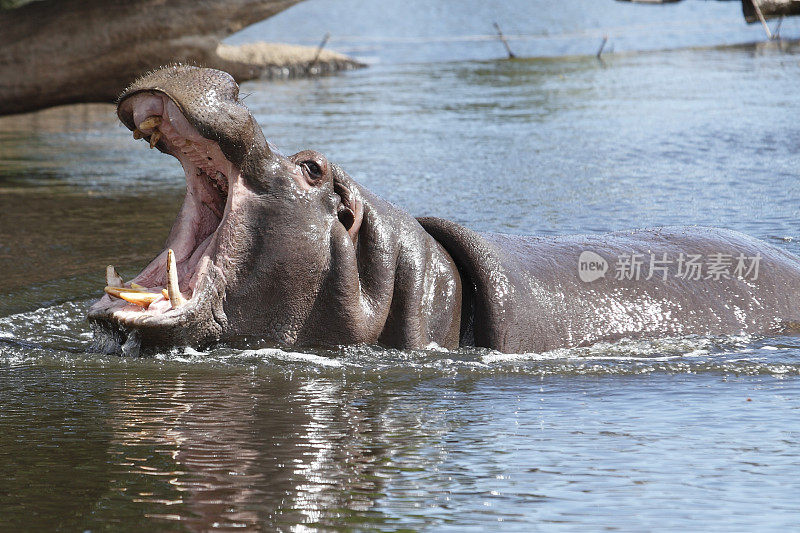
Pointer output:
x,y
351,208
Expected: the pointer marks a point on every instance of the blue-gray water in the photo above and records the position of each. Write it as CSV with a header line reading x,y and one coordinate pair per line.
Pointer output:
x,y
697,433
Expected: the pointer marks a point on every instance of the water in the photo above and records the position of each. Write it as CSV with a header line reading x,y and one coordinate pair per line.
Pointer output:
x,y
414,31
694,433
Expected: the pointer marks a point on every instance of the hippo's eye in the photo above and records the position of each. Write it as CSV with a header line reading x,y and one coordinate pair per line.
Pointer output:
x,y
313,169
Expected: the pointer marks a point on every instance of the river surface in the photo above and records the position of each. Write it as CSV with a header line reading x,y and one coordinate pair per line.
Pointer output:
x,y
692,433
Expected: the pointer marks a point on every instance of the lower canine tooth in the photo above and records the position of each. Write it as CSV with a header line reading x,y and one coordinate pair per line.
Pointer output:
x,y
112,278
116,291
113,291
140,298
137,134
173,290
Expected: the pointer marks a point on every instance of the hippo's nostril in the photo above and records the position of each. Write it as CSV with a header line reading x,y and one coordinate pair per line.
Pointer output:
x,y
346,217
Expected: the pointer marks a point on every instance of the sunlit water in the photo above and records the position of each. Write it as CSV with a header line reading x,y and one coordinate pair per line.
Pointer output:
x,y
692,433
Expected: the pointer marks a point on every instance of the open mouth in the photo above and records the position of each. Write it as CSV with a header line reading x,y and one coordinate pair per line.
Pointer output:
x,y
173,282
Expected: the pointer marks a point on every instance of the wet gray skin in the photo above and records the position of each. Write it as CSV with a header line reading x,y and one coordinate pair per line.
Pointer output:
x,y
293,251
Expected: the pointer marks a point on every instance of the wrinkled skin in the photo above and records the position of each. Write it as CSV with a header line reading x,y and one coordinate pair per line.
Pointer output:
x,y
293,251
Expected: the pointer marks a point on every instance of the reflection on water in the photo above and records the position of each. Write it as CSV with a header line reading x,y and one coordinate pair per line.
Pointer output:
x,y
125,444
636,434
693,433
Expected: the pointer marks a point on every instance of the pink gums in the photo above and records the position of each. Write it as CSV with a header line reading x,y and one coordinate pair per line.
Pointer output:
x,y
209,179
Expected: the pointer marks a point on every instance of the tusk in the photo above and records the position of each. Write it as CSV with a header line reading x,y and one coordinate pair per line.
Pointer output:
x,y
137,286
137,134
113,291
150,122
154,138
173,290
112,278
143,299
116,291
139,297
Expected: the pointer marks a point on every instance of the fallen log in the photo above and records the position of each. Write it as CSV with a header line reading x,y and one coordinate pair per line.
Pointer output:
x,y
650,1
57,52
769,9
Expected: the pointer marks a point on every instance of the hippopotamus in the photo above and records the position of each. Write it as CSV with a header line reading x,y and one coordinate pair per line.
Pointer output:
x,y
292,251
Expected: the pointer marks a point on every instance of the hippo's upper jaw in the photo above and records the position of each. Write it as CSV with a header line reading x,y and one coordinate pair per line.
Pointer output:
x,y
191,311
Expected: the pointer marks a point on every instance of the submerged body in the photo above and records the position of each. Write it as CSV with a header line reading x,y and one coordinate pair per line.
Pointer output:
x,y
529,294
294,251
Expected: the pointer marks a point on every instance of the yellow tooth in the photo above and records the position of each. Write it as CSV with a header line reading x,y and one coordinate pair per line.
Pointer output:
x,y
115,291
173,290
137,286
137,134
143,299
150,122
165,293
134,296
112,278
154,138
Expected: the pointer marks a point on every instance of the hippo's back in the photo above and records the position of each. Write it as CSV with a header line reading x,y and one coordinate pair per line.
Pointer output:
x,y
526,293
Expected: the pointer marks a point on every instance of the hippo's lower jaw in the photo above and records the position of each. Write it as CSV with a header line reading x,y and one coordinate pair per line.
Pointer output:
x,y
193,315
